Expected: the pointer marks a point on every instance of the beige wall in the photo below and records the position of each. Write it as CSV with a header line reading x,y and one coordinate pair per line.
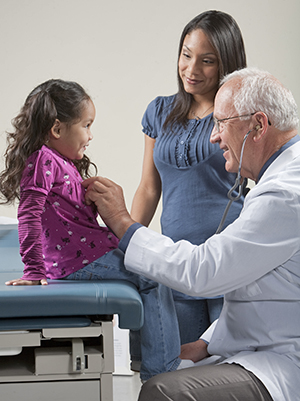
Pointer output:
x,y
124,53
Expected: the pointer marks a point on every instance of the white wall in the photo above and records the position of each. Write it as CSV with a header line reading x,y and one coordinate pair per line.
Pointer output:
x,y
124,53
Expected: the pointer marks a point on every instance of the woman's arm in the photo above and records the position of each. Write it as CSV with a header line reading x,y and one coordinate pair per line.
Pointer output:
x,y
147,196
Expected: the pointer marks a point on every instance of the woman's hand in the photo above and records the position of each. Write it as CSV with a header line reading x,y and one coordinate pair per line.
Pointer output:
x,y
19,281
195,351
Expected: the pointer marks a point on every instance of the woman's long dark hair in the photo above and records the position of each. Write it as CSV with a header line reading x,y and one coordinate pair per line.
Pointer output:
x,y
225,36
53,99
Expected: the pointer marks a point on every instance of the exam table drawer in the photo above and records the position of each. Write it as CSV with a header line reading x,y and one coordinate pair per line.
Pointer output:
x,y
52,391
58,360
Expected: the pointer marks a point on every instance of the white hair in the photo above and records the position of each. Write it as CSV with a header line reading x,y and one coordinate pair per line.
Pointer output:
x,y
260,91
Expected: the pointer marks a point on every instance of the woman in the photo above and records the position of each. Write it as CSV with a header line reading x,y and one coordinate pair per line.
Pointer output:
x,y
179,160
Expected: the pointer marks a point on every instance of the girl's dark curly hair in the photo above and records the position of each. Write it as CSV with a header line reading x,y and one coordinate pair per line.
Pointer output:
x,y
53,99
225,36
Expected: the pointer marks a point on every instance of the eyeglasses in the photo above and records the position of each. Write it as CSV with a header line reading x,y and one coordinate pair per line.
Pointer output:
x,y
217,121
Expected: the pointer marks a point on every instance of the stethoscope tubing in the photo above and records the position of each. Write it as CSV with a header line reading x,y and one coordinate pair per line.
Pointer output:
x,y
239,183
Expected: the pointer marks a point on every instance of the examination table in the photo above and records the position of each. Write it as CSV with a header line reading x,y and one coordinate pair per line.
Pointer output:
x,y
56,341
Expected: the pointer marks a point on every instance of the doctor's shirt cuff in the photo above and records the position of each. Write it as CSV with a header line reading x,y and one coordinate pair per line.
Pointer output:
x,y
123,244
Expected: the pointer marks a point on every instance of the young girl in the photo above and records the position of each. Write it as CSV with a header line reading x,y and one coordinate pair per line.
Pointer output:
x,y
60,237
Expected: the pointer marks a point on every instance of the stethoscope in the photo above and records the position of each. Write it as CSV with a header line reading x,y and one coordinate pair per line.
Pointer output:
x,y
239,183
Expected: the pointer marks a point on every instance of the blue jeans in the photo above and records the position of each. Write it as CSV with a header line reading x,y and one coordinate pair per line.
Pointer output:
x,y
160,340
195,316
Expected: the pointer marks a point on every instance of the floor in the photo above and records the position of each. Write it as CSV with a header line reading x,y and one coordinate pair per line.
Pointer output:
x,y
126,388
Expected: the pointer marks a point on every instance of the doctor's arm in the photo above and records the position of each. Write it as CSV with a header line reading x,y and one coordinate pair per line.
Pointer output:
x,y
197,350
216,267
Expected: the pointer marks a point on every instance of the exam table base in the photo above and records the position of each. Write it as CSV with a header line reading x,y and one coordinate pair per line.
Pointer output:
x,y
58,364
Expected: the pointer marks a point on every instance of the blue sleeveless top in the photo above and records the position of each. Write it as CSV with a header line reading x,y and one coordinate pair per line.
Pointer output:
x,y
192,171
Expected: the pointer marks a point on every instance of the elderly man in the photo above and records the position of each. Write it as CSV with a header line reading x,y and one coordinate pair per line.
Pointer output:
x,y
255,261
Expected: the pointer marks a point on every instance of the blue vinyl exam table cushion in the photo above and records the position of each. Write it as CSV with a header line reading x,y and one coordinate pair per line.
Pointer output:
x,y
62,297
71,298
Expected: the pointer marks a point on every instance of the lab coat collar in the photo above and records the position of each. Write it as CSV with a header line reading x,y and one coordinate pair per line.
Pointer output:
x,y
291,142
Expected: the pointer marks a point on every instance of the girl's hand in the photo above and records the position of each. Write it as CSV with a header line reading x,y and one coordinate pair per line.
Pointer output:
x,y
19,281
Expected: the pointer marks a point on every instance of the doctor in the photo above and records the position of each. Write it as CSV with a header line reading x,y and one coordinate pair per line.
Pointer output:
x,y
255,261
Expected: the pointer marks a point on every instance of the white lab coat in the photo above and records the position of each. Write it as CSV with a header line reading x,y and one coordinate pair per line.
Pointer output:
x,y
255,262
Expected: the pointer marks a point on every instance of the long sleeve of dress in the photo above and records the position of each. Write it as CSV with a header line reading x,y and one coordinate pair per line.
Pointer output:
x,y
30,231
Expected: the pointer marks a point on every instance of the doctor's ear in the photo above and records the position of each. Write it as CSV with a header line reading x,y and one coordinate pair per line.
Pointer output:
x,y
260,126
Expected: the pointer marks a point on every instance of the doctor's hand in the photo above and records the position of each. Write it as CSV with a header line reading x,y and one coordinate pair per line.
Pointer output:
x,y
195,351
109,199
19,281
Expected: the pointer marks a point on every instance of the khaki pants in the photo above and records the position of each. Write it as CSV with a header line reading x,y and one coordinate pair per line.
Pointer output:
x,y
225,382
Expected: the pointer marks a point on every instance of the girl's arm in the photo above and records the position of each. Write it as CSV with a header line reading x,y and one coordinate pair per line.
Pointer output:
x,y
147,196
30,236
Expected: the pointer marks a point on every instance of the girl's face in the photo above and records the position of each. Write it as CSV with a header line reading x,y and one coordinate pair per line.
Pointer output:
x,y
71,141
198,65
